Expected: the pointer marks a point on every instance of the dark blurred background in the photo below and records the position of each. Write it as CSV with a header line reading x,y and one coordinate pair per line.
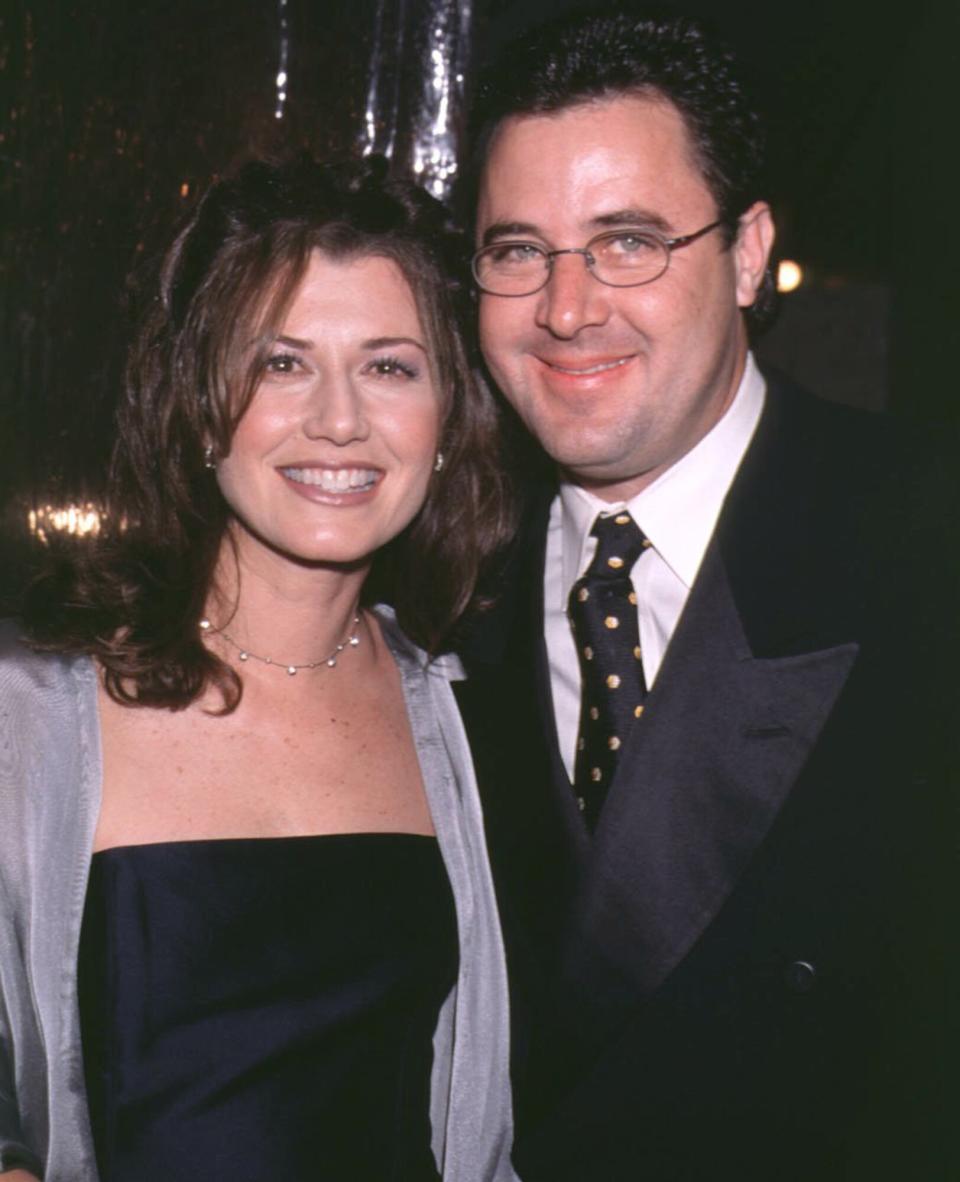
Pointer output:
x,y
116,114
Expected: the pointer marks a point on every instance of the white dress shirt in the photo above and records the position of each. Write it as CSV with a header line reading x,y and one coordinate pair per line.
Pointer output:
x,y
677,513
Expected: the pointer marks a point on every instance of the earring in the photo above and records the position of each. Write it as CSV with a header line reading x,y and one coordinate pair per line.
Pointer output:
x,y
208,460
438,466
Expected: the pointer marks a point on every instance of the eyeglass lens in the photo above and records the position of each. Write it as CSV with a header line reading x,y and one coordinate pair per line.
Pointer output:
x,y
622,258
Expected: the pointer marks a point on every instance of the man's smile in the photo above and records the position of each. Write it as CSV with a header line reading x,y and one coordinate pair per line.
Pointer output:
x,y
586,370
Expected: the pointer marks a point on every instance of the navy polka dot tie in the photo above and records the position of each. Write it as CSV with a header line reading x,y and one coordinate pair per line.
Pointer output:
x,y
603,613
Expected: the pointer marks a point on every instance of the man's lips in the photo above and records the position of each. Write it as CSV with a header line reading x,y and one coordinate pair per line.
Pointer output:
x,y
586,367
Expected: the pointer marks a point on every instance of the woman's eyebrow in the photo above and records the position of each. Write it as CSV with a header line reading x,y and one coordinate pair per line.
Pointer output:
x,y
392,342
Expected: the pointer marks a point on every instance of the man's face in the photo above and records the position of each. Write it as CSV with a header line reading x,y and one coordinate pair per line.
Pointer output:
x,y
616,383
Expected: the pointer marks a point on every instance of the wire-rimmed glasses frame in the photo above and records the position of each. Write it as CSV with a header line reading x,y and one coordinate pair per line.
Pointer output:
x,y
653,260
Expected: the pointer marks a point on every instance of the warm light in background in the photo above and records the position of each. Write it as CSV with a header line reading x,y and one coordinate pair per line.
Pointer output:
x,y
82,521
789,275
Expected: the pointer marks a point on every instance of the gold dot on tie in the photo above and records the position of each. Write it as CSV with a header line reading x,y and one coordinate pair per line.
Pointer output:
x,y
637,653
596,775
633,598
611,622
637,711
588,652
613,743
613,681
614,563
594,713
622,518
647,543
583,595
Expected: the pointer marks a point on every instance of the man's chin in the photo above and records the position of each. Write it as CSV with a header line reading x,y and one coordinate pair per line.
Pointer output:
x,y
610,482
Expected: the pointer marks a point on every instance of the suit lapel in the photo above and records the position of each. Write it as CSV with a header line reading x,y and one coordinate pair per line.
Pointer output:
x,y
703,777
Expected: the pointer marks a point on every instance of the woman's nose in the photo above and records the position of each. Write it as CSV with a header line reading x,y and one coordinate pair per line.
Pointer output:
x,y
335,412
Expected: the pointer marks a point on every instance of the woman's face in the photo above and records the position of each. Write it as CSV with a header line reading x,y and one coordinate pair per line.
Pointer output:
x,y
333,455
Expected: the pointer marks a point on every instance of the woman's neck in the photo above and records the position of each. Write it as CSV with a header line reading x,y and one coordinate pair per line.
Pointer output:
x,y
274,608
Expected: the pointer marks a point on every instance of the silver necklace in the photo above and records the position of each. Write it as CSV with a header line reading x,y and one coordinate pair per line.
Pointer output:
x,y
349,641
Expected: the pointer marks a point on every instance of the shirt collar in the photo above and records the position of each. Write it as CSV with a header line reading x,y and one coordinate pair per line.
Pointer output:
x,y
679,510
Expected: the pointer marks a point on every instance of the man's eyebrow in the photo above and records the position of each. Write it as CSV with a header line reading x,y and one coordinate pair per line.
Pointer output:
x,y
497,230
632,217
618,217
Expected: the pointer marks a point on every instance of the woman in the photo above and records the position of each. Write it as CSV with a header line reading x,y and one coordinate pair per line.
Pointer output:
x,y
244,780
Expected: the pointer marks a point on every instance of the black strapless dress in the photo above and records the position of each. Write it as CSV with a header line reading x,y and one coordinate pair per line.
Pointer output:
x,y
263,1010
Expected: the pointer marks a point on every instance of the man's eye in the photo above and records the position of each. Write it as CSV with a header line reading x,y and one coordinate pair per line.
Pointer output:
x,y
511,254
630,243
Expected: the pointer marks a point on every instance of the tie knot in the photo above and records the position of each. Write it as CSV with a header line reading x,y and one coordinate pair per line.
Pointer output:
x,y
619,544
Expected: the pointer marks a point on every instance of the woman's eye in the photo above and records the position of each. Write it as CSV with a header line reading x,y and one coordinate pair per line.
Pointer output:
x,y
282,363
388,367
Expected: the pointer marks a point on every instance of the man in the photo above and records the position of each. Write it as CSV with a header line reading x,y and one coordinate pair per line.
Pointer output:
x,y
709,710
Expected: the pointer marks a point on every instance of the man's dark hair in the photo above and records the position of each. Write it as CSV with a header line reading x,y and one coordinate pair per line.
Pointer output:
x,y
610,54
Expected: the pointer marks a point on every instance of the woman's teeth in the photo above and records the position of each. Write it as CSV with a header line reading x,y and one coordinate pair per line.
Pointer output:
x,y
336,480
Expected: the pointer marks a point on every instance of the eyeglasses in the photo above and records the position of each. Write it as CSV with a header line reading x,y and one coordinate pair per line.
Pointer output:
x,y
619,258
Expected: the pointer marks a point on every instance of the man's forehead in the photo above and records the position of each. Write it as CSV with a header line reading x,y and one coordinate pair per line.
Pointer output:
x,y
613,160
638,107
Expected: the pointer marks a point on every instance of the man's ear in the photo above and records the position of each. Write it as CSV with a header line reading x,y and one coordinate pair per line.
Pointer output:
x,y
752,251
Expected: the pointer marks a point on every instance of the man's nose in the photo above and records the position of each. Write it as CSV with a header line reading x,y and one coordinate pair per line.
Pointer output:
x,y
336,411
572,298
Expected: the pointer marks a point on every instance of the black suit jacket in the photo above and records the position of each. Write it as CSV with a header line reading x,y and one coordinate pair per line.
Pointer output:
x,y
743,974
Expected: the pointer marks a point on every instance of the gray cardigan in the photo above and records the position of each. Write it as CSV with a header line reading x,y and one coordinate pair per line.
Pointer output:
x,y
50,774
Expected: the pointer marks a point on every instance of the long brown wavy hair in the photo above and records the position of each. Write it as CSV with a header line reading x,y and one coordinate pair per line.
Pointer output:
x,y
133,599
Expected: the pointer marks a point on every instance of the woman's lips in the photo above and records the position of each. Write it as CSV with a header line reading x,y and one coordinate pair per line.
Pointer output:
x,y
332,485
338,480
